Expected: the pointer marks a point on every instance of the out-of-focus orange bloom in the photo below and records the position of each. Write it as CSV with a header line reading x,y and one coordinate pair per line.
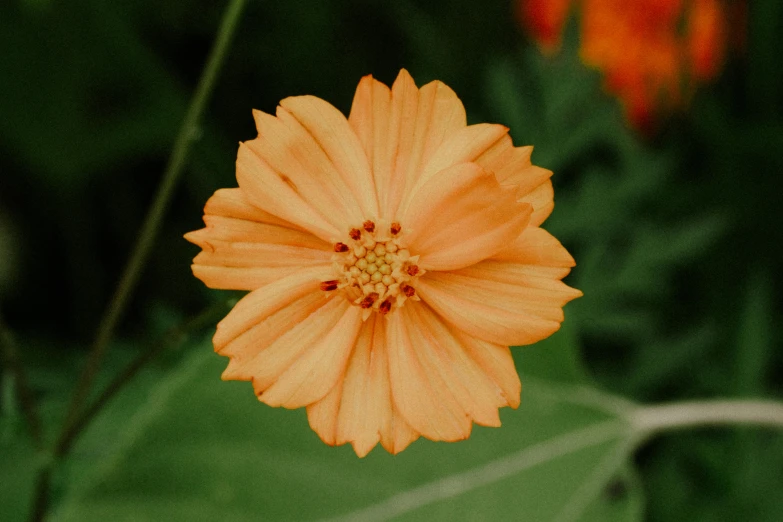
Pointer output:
x,y
652,52
544,19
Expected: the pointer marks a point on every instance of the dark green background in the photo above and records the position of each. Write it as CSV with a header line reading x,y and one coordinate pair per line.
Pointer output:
x,y
676,236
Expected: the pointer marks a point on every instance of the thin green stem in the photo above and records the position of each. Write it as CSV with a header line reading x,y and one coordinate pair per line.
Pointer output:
x,y
11,359
171,339
651,420
141,252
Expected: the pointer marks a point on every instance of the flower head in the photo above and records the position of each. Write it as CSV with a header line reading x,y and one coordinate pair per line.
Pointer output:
x,y
652,52
391,258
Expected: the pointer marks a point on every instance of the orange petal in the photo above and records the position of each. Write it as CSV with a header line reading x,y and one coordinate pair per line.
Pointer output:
x,y
513,298
234,230
477,285
463,146
243,278
256,306
242,252
461,217
271,324
245,254
370,120
359,409
512,167
418,387
536,246
484,315
496,362
542,200
266,189
233,203
287,363
439,115
294,155
401,129
331,133
315,371
473,389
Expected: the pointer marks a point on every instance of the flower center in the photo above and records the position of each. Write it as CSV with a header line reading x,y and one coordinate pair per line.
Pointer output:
x,y
374,269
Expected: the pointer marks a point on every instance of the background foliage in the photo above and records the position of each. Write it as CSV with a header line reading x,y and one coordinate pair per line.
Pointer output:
x,y
676,237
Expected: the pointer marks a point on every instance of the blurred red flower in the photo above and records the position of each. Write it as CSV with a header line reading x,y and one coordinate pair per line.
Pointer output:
x,y
652,52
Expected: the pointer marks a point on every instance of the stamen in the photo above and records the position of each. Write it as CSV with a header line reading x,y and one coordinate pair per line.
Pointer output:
x,y
369,300
374,271
328,286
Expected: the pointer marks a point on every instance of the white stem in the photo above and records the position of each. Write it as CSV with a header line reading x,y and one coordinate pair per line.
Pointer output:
x,y
655,419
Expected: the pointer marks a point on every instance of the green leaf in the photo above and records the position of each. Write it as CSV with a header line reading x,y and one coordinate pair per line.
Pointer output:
x,y
19,465
202,449
556,358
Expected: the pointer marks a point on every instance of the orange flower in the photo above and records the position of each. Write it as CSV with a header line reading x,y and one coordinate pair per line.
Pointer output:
x,y
545,20
392,258
651,51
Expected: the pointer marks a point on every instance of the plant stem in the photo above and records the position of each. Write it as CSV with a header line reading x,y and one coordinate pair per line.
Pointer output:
x,y
650,420
10,356
171,339
187,134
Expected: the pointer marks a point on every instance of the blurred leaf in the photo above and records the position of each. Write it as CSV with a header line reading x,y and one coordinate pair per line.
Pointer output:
x,y
19,465
98,94
201,449
756,335
556,358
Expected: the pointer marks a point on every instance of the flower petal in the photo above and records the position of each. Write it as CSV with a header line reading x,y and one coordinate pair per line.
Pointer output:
x,y
242,252
461,217
484,316
370,119
333,138
418,386
463,146
359,409
257,306
401,129
536,246
294,155
234,203
272,322
318,365
298,365
512,167
266,189
475,391
496,361
515,298
542,200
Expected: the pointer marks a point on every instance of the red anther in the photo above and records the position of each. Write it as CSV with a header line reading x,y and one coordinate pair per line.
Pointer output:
x,y
385,307
408,290
355,234
395,228
328,286
369,300
340,247
413,270
369,226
